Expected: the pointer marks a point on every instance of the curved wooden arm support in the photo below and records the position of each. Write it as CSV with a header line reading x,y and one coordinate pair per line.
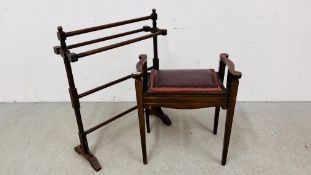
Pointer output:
x,y
224,58
141,67
141,63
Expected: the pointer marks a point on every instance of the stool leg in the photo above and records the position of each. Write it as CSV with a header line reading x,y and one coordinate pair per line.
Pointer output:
x,y
216,118
228,126
232,85
147,120
141,117
142,132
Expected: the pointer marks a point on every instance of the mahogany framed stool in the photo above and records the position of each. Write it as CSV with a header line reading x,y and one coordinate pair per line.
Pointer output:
x,y
187,89
70,57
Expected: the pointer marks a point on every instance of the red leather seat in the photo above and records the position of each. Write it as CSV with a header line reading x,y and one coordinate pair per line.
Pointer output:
x,y
184,80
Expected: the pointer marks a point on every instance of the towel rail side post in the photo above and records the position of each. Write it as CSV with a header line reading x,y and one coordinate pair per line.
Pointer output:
x,y
72,90
154,17
68,57
83,148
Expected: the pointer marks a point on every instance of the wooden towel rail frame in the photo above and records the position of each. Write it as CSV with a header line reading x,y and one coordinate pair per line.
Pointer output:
x,y
70,57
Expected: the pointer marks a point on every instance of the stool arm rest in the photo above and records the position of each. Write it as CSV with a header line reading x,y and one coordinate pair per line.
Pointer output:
x,y
142,63
224,58
141,67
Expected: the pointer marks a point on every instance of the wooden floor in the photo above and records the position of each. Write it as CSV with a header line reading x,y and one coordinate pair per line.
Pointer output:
x,y
267,138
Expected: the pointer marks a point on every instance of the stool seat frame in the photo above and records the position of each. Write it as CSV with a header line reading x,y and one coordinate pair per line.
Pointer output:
x,y
226,99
